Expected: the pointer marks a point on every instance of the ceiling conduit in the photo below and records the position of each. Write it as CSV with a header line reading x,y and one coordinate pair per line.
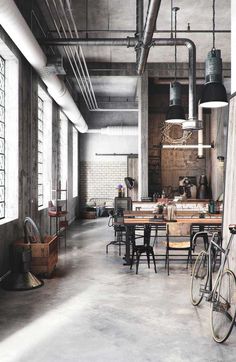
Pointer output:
x,y
132,42
116,130
16,27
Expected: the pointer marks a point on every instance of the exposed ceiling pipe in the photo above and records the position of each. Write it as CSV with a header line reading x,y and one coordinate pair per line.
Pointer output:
x,y
72,54
16,27
132,42
116,130
149,28
80,53
139,26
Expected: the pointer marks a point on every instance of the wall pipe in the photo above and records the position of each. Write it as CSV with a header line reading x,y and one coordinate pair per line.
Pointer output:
x,y
16,27
132,42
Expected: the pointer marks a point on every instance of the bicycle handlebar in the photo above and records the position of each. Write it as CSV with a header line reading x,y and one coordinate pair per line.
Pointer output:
x,y
232,228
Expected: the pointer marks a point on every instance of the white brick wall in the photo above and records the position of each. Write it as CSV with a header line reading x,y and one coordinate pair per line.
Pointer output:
x,y
98,179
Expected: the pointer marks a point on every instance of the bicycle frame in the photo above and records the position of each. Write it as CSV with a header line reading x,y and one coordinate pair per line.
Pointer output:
x,y
225,253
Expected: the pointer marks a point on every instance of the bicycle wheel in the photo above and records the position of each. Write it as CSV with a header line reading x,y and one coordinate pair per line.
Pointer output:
x,y
223,306
31,231
199,278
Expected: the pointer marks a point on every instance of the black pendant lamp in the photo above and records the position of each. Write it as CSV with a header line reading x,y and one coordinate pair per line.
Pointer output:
x,y
214,93
175,113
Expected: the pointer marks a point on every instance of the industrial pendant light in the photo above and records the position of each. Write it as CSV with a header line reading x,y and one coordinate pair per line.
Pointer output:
x,y
214,93
175,113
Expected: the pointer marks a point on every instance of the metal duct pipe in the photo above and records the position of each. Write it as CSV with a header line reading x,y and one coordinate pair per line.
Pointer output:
x,y
139,26
192,69
131,42
16,27
127,42
116,130
149,28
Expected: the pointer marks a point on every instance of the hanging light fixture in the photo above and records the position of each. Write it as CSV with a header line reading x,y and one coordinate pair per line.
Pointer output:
x,y
214,93
175,113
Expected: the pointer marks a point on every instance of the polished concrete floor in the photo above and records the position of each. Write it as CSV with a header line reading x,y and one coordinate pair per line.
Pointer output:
x,y
95,309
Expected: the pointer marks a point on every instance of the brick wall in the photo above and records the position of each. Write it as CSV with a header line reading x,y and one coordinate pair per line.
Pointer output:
x,y
98,179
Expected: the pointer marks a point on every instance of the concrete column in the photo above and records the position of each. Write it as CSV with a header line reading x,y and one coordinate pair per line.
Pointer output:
x,y
233,49
143,136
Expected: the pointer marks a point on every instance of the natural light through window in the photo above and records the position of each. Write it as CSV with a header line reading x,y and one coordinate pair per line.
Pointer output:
x,y
63,151
9,114
44,148
75,162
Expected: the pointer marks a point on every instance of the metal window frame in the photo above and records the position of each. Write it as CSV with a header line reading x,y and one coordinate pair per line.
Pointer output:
x,y
40,141
4,140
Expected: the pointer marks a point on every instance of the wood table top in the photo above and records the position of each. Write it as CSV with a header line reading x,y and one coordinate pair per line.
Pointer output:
x,y
153,221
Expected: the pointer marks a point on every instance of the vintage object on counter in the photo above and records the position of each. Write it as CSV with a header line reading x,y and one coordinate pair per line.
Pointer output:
x,y
187,187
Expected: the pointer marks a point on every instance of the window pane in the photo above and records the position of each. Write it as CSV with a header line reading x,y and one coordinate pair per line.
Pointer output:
x,y
2,65
2,82
2,148
2,178
2,162
2,98
2,210
2,193
40,168
40,157
40,200
2,113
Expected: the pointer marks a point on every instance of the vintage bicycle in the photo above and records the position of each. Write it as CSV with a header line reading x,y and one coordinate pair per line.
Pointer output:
x,y
222,293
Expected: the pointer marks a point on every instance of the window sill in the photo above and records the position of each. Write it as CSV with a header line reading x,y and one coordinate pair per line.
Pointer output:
x,y
7,220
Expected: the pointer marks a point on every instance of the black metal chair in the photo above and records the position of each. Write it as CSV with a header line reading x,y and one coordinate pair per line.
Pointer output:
x,y
116,220
144,233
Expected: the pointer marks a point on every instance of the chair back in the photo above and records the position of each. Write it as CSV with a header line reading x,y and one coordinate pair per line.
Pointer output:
x,y
178,229
122,204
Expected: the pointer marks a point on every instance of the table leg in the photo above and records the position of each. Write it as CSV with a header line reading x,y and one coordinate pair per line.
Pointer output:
x,y
128,236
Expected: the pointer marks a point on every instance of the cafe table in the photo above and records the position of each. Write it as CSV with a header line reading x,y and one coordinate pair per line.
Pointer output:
x,y
131,222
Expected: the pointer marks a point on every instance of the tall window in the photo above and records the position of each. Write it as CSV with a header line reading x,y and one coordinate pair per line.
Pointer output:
x,y
63,151
40,151
9,143
2,138
44,148
75,162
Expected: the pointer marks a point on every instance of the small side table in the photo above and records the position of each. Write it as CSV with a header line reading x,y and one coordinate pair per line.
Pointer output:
x,y
61,225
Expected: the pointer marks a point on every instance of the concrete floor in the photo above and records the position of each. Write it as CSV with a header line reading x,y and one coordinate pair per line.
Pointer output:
x,y
95,309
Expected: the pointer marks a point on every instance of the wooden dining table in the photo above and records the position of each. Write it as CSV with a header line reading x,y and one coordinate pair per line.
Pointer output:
x,y
141,220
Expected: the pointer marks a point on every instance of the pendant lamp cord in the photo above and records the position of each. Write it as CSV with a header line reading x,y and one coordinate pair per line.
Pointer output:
x,y
213,24
175,48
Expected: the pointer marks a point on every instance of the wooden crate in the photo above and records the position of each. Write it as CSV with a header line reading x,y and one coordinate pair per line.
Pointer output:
x,y
44,255
89,215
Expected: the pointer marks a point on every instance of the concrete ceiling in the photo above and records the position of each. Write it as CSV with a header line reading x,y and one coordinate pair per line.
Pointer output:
x,y
112,18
